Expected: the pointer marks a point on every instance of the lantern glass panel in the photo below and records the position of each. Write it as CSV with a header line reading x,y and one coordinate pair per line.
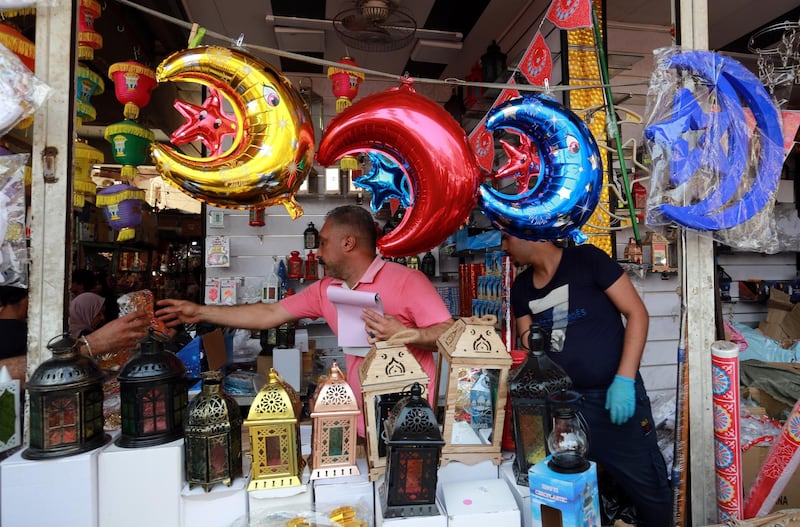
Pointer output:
x,y
414,480
383,407
475,405
335,438
530,432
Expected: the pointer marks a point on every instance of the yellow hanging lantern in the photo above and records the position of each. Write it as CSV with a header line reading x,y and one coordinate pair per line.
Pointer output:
x,y
82,184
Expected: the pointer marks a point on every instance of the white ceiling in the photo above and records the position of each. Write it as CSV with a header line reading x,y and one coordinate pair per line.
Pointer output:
x,y
634,27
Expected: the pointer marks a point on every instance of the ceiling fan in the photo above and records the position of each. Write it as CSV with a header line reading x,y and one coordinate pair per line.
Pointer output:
x,y
371,25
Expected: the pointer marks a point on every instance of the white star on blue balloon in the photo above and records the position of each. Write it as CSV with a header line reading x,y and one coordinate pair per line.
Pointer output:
x,y
386,179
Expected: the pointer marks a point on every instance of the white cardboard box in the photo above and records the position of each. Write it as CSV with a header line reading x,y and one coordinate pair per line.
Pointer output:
x,y
222,505
151,475
457,471
355,491
522,493
60,491
439,520
480,503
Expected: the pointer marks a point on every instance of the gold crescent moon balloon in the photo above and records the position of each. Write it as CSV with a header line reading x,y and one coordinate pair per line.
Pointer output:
x,y
273,148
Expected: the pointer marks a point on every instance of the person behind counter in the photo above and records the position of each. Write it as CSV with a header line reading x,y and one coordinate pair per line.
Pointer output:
x,y
580,296
347,251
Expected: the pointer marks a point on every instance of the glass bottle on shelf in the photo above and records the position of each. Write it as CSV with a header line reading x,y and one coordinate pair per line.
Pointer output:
x,y
428,265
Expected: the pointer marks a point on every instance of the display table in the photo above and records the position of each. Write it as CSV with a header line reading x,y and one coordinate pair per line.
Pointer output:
x,y
61,491
141,486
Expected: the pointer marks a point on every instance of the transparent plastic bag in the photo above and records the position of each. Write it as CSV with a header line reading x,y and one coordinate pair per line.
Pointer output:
x,y
21,93
716,147
13,246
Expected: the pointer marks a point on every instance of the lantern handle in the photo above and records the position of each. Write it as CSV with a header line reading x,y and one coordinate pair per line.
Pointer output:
x,y
405,336
485,320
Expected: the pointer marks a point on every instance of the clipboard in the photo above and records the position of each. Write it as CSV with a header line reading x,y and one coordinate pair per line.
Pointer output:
x,y
349,306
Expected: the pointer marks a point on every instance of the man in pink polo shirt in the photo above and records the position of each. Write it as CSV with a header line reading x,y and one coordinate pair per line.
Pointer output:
x,y
347,251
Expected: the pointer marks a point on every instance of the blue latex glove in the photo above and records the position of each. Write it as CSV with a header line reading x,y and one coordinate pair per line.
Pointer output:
x,y
621,399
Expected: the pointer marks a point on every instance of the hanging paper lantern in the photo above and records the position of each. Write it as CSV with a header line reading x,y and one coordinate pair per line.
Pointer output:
x,y
123,205
344,84
15,41
89,84
130,145
88,39
133,83
82,185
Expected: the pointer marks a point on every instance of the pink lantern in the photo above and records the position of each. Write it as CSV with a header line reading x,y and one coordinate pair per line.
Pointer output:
x,y
88,39
133,83
344,83
123,205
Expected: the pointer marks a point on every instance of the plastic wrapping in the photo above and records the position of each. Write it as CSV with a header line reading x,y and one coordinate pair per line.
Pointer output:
x,y
357,514
712,172
13,248
21,93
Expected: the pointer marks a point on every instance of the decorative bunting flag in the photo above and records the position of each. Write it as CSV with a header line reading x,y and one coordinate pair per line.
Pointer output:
x,y
537,63
570,14
481,139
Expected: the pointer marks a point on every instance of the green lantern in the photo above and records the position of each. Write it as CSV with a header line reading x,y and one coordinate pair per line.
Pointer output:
x,y
130,145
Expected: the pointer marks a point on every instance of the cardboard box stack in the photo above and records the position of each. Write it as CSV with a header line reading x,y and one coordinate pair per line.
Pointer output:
x,y
783,318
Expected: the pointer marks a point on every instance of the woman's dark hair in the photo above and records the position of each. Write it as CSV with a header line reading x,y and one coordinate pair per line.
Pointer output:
x,y
356,218
10,295
85,278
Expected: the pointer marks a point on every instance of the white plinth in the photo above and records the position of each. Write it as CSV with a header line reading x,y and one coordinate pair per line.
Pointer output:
x,y
355,491
222,505
60,491
148,475
522,493
480,503
438,520
264,504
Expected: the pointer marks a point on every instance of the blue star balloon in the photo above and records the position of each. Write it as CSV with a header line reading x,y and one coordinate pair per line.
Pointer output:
x,y
386,179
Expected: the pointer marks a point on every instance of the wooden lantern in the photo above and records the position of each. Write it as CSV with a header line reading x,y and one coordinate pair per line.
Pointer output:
x,y
386,374
475,363
334,420
658,252
275,436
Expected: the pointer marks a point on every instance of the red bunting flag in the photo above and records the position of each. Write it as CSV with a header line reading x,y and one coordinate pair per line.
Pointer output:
x,y
481,139
570,14
537,63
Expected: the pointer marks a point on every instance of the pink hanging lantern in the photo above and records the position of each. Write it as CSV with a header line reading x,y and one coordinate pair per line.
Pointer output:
x,y
88,39
133,84
123,205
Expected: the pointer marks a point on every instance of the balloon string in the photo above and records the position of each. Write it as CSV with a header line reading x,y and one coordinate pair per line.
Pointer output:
x,y
450,81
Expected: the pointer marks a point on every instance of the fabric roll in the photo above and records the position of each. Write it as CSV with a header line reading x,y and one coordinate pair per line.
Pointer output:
x,y
727,433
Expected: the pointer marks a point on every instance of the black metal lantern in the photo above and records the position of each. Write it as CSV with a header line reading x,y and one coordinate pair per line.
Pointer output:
x,y
415,445
154,396
213,442
66,403
528,386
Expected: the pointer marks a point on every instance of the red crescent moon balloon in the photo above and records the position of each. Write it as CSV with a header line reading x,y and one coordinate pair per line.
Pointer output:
x,y
420,136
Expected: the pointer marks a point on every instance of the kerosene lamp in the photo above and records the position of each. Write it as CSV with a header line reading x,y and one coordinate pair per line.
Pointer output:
x,y
568,442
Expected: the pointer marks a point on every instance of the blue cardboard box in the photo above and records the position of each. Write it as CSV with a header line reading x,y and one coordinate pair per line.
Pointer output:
x,y
567,500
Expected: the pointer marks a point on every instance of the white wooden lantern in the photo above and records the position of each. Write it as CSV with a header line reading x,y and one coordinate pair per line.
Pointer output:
x,y
387,374
476,363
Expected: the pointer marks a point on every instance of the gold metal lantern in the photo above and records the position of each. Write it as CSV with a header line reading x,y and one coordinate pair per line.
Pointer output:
x,y
475,363
275,436
334,419
213,436
386,374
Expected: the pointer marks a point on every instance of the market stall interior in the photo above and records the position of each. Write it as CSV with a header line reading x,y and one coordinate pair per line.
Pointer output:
x,y
215,242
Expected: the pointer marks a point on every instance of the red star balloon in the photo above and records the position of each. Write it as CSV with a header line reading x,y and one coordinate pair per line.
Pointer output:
x,y
522,163
207,123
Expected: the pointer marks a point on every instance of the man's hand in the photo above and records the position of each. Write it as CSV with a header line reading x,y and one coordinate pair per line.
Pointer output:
x,y
121,333
380,327
621,399
173,312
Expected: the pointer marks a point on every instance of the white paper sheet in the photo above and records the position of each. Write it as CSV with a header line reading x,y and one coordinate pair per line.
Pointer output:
x,y
350,305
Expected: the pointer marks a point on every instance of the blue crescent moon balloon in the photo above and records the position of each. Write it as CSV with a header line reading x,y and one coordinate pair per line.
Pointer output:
x,y
567,189
717,184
